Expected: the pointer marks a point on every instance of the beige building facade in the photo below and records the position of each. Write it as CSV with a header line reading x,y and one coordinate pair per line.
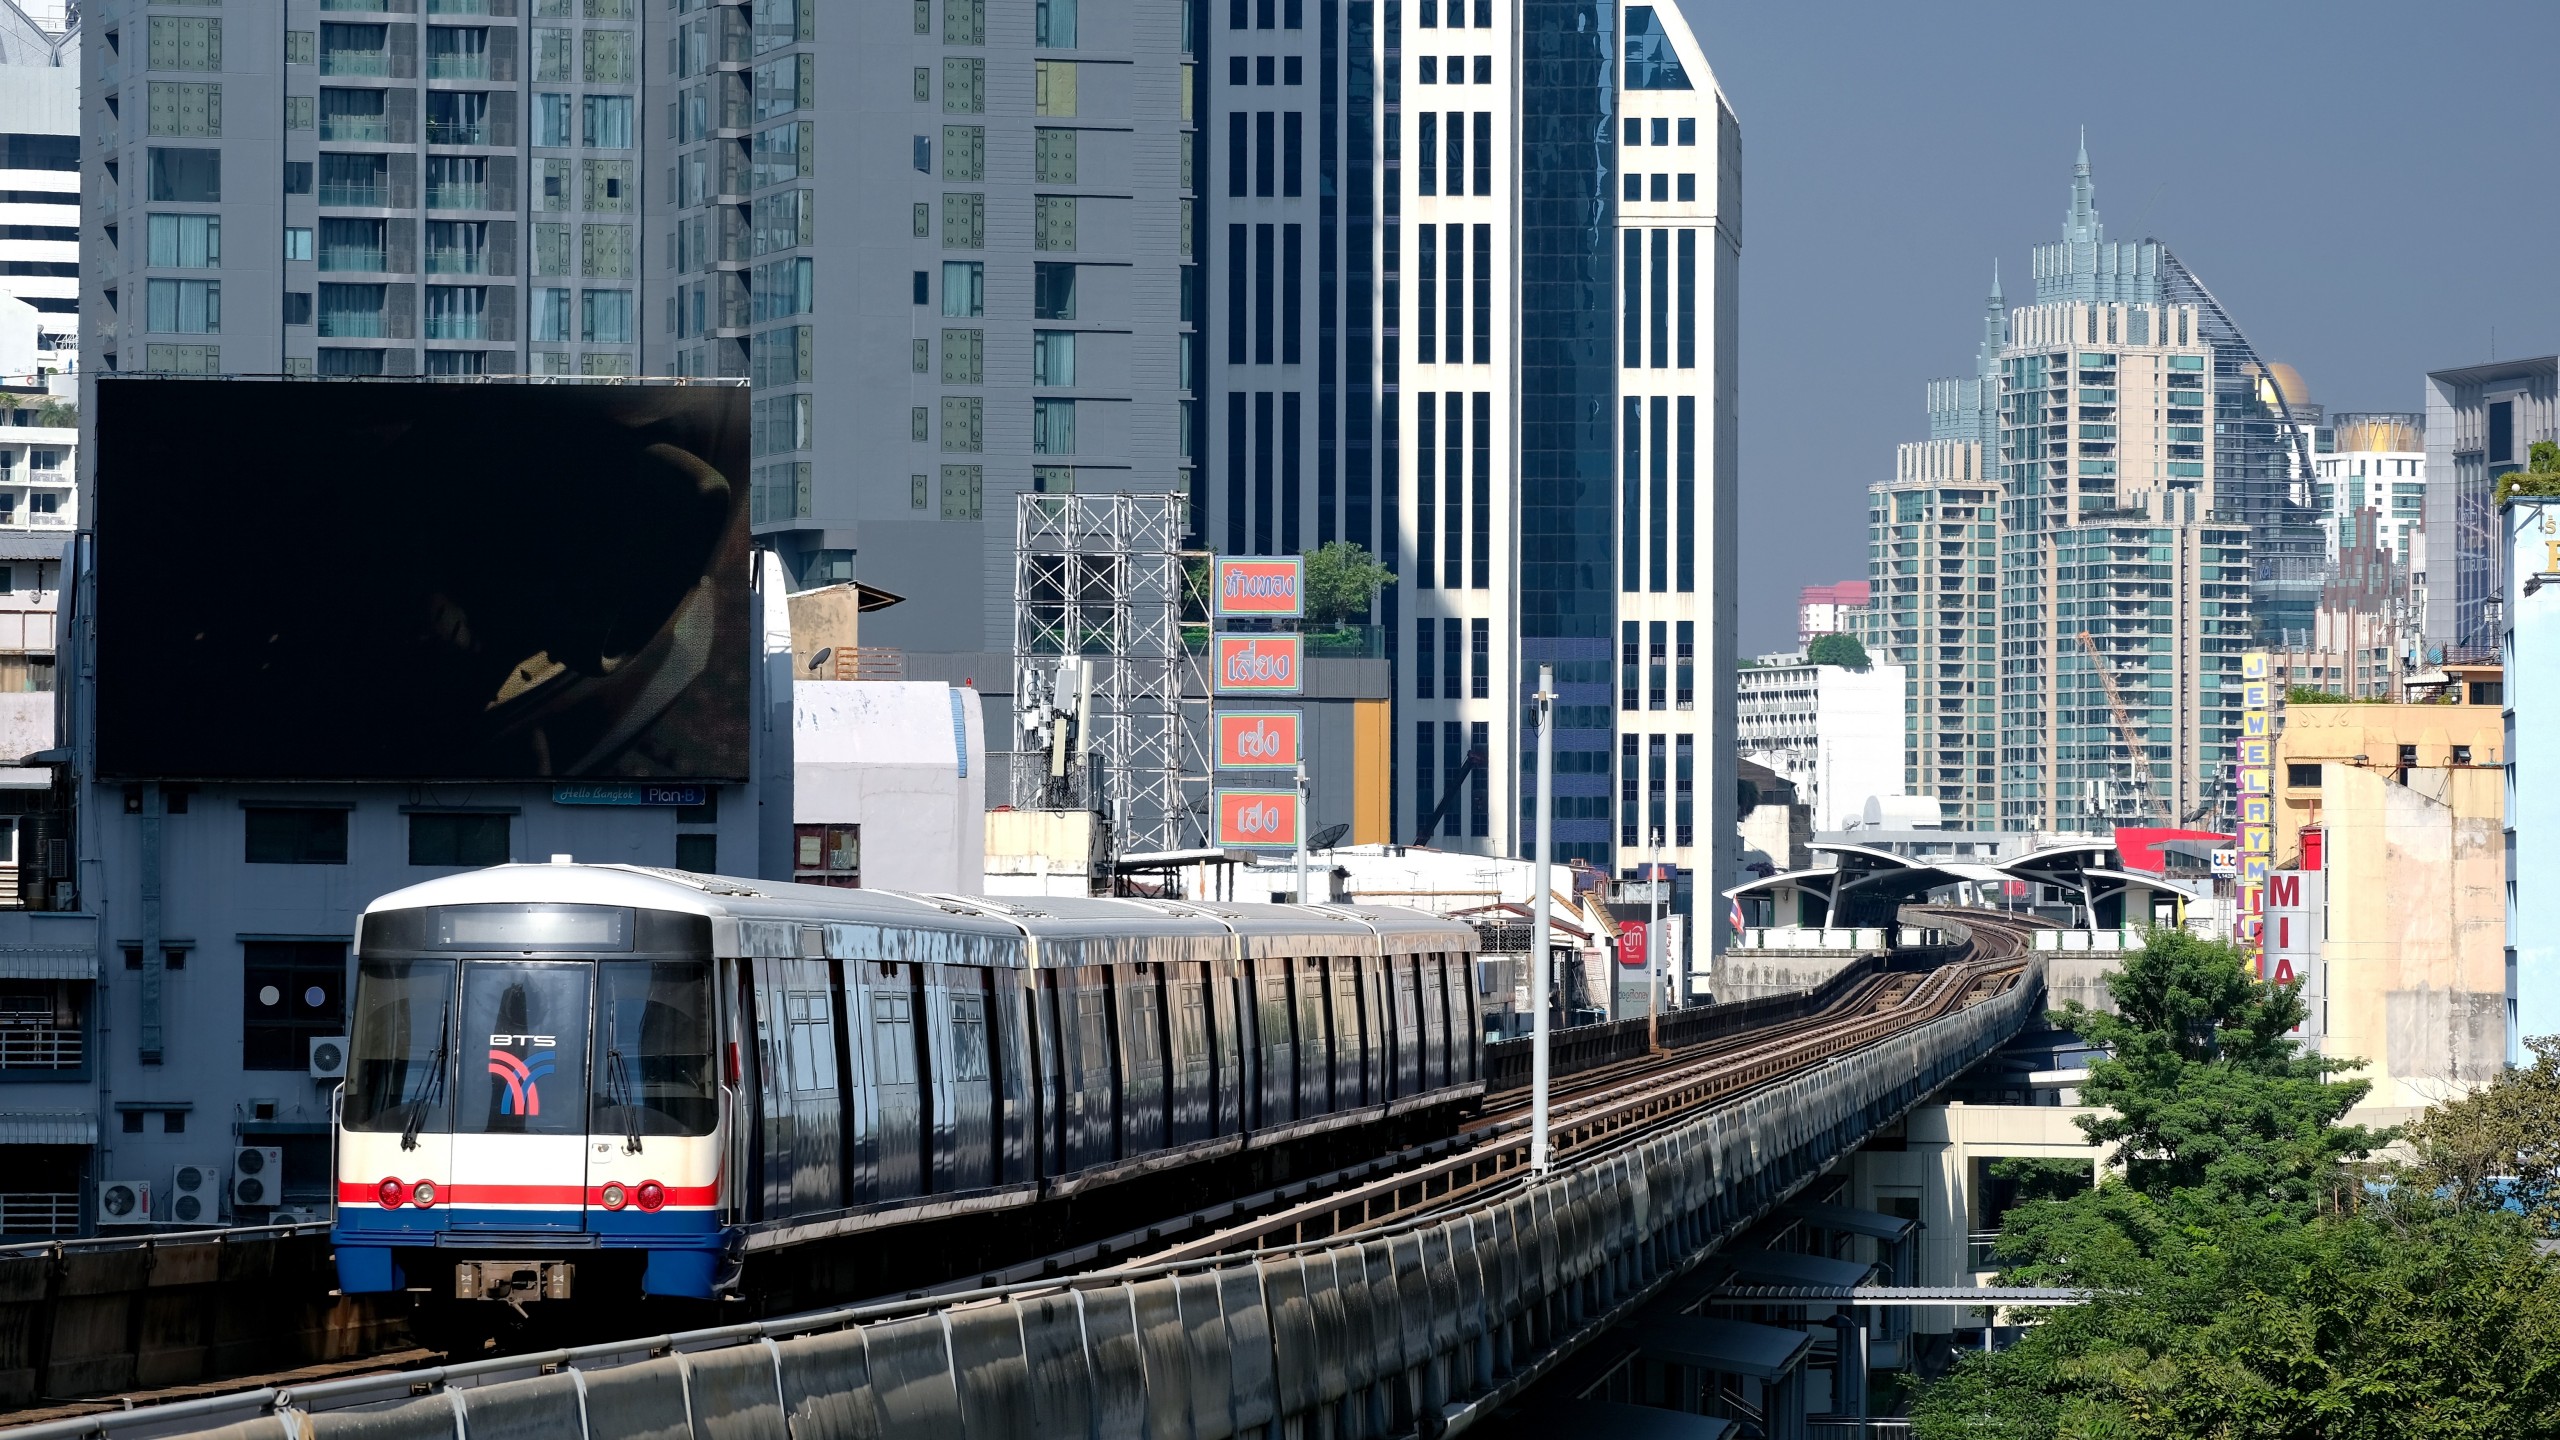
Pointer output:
x,y
2408,801
1933,576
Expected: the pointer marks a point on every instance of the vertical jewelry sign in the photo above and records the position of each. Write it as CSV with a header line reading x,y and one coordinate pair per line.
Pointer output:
x,y
1248,668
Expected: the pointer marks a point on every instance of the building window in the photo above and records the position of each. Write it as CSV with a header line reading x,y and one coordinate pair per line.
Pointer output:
x,y
296,837
964,288
292,992
186,176
2302,777
698,853
827,855
458,838
1053,291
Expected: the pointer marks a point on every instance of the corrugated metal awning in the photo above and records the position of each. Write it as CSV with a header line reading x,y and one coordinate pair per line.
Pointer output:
x,y
47,962
48,1127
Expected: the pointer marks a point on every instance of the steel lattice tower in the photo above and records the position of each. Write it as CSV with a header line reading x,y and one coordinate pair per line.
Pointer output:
x,y
1101,577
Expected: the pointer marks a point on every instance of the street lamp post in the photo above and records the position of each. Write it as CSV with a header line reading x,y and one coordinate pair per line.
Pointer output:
x,y
1542,854
1653,953
1303,898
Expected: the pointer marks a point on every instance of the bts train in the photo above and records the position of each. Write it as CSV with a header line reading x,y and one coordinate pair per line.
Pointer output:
x,y
608,1081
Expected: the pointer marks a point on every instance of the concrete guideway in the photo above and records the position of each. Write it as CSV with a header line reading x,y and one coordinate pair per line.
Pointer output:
x,y
1425,1325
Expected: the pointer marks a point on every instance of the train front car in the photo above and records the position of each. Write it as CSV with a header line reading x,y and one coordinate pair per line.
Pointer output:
x,y
533,1108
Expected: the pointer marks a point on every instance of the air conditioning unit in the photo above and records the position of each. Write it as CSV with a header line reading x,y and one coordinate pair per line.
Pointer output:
x,y
257,1177
329,1057
124,1202
195,1195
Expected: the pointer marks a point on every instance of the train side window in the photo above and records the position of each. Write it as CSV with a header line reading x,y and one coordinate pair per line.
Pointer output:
x,y
893,1030
1143,1056
968,1037
1093,1037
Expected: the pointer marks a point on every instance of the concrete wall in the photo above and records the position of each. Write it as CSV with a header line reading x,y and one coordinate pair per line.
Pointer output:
x,y
1934,1165
2413,949
907,761
2532,736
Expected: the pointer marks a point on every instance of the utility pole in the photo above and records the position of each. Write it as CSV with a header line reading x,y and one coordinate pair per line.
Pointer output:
x,y
1542,854
1653,953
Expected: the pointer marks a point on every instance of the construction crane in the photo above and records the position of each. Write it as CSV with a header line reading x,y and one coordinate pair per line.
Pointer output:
x,y
2133,743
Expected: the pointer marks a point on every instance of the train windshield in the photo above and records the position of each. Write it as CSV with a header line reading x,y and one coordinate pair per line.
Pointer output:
x,y
653,1071
524,1047
401,1046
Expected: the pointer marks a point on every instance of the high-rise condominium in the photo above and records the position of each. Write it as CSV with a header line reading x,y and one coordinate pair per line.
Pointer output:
x,y
1472,267
1933,561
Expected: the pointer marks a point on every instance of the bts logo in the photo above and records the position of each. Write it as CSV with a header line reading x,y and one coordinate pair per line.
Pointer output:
x,y
523,1078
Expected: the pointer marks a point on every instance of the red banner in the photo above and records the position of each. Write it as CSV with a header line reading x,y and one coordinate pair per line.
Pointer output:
x,y
1264,588
1256,665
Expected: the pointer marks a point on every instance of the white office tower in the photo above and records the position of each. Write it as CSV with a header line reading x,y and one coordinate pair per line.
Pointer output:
x,y
39,193
1472,268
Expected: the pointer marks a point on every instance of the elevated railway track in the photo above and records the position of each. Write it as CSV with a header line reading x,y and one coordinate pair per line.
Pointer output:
x,y
1458,1275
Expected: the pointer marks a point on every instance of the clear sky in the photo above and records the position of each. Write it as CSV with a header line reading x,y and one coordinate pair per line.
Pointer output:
x,y
2368,188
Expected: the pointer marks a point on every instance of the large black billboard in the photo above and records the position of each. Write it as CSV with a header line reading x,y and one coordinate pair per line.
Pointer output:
x,y
419,581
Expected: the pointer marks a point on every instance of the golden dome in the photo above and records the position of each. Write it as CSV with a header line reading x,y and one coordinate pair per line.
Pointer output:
x,y
2295,391
2373,434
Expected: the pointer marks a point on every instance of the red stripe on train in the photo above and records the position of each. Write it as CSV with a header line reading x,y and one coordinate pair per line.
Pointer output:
x,y
350,1193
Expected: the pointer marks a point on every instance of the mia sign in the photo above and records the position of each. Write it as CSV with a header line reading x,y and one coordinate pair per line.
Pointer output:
x,y
1257,819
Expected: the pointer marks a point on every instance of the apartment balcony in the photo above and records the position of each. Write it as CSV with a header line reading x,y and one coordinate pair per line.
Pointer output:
x,y
458,67
367,129
355,62
352,325
350,257
457,262
458,7
457,197
26,1048
347,193
455,327
455,132
39,1212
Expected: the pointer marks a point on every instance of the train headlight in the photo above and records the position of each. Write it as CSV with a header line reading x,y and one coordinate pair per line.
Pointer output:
x,y
615,1197
424,1193
391,1192
652,1195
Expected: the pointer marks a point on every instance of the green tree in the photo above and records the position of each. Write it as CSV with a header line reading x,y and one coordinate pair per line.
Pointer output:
x,y
1842,650
2499,1145
1341,578
2541,475
55,411
2202,1090
2398,1321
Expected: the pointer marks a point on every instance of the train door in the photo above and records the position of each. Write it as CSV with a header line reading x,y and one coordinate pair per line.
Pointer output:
x,y
897,1078
964,1070
1189,1058
1085,1029
1401,970
811,1179
1009,1051
1350,1042
1434,995
1054,1004
1142,1058
1315,1047
520,1129
1231,1021
1466,1022
1277,1029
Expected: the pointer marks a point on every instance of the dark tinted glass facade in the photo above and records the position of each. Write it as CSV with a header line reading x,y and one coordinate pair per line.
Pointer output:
x,y
1568,385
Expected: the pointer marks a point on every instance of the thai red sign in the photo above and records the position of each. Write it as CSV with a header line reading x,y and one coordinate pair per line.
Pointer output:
x,y
1267,819
1257,739
1266,588
1256,665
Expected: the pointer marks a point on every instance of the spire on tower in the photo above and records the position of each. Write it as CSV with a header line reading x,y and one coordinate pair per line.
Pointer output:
x,y
2081,225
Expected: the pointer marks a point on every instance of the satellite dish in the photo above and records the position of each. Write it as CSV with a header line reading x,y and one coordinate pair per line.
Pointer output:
x,y
1328,837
